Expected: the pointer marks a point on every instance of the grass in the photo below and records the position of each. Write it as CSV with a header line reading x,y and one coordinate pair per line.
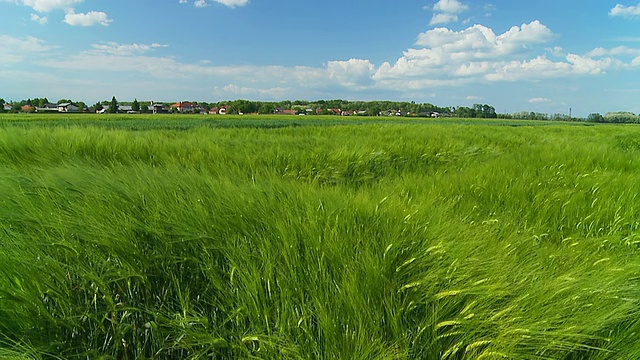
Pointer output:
x,y
373,239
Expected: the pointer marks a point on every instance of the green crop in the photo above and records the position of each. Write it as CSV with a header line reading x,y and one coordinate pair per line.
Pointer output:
x,y
194,237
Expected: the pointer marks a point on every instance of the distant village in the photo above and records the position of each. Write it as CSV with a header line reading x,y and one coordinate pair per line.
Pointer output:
x,y
300,108
241,107
187,107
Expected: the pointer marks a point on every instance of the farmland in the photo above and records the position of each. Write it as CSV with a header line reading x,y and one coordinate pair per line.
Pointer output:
x,y
131,237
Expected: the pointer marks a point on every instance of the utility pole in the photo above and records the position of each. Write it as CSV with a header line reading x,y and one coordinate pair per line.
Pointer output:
x,y
569,114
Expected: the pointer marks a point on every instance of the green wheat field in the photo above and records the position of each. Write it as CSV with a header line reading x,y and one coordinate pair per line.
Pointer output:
x,y
186,237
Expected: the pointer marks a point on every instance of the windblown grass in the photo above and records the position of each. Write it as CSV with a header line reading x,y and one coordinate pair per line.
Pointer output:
x,y
365,241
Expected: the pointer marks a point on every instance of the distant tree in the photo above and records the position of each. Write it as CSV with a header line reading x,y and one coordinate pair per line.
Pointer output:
x,y
621,117
144,108
113,107
373,110
135,106
2,105
61,101
81,105
266,108
595,117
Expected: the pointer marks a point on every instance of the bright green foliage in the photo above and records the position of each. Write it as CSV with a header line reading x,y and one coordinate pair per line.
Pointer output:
x,y
381,240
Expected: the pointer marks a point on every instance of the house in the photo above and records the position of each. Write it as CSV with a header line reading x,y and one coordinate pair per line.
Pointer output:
x,y
352,112
184,106
67,107
8,107
126,109
283,111
224,110
157,108
48,107
214,110
27,108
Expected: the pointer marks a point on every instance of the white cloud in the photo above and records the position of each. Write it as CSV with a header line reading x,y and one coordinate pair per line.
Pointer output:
x,y
39,19
233,3
625,11
16,50
556,51
49,5
616,51
91,18
201,3
442,58
477,54
438,19
113,48
539,100
351,72
183,1
543,68
445,11
477,42
450,6
532,33
489,10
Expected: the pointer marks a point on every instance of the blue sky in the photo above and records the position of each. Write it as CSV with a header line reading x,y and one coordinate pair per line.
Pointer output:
x,y
541,55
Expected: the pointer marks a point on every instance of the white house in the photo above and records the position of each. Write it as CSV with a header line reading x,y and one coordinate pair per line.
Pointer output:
x,y
67,107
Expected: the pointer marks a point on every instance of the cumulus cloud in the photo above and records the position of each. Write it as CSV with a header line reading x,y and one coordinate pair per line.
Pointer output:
x,y
478,54
201,3
72,18
625,11
444,18
351,72
477,42
91,18
445,11
450,6
442,57
39,19
50,5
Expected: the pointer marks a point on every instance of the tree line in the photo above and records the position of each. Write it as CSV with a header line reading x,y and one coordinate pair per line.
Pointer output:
x,y
328,107
370,108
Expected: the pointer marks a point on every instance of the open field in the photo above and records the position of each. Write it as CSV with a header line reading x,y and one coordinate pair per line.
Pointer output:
x,y
320,238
